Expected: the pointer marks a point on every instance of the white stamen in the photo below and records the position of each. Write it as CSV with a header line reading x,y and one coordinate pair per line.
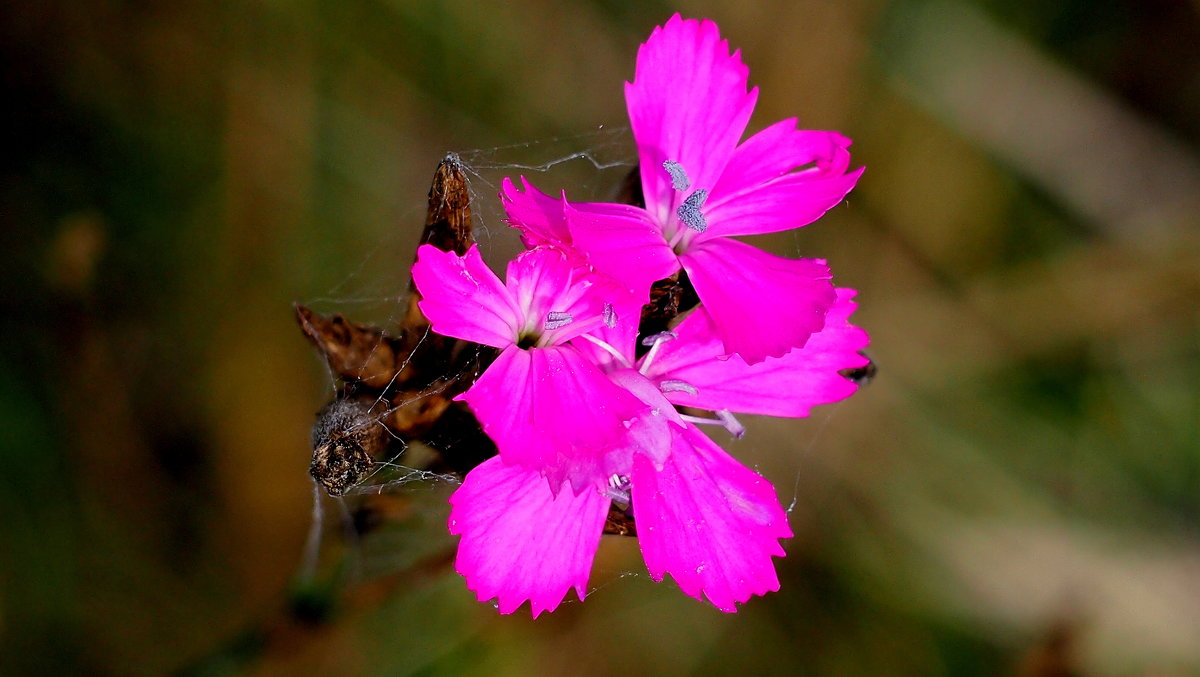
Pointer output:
x,y
679,177
557,320
724,419
654,341
610,316
731,424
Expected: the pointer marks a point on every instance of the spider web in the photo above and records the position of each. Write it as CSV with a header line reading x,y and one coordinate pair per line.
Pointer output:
x,y
591,167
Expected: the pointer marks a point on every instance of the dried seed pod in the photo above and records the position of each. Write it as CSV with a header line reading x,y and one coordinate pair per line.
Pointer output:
x,y
346,439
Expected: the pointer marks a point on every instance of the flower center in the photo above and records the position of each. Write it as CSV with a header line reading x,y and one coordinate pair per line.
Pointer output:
x,y
533,336
688,212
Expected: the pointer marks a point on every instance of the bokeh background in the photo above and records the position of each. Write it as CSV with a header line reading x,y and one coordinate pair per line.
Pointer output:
x,y
1017,493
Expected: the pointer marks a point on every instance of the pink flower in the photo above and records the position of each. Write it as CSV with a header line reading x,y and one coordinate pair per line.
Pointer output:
x,y
702,517
545,405
689,106
568,402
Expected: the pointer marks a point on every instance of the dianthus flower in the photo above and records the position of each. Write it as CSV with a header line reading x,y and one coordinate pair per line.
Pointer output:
x,y
545,405
688,107
582,424
708,521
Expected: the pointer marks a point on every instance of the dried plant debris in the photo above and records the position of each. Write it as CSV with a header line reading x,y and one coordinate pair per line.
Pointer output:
x,y
398,386
356,353
619,521
864,374
448,221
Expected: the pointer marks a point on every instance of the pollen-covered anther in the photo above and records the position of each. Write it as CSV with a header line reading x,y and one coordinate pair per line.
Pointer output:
x,y
675,386
689,212
610,316
679,177
557,320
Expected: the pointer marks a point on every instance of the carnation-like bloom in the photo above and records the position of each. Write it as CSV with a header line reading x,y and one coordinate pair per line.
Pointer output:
x,y
583,425
708,521
688,107
545,405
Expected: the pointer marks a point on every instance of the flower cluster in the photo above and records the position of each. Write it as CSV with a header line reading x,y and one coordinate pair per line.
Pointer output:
x,y
589,415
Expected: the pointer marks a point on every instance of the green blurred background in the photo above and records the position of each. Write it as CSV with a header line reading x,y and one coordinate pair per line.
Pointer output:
x,y
1018,492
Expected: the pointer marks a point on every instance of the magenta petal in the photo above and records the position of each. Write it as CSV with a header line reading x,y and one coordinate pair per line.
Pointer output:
x,y
688,103
654,433
709,521
520,540
619,332
623,243
762,305
789,385
502,400
551,409
791,201
538,216
778,150
463,298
